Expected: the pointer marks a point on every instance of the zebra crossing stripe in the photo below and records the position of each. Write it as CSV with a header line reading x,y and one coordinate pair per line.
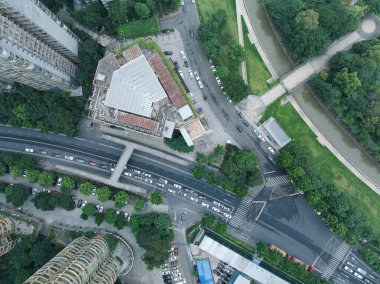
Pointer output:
x,y
276,181
335,260
242,210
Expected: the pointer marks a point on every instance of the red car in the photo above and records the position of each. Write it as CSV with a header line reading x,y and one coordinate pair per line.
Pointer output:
x,y
91,163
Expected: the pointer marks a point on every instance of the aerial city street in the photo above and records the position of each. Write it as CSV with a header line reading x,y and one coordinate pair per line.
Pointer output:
x,y
189,141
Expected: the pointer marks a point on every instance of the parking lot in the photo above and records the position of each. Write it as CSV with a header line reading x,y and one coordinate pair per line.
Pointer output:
x,y
171,270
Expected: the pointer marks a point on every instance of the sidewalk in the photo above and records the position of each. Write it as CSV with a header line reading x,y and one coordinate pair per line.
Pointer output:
x,y
323,141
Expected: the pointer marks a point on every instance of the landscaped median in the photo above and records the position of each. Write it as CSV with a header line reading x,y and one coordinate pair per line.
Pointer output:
x,y
327,167
137,28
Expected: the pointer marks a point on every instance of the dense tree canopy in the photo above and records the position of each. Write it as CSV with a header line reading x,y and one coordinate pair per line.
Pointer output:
x,y
178,143
352,91
309,27
154,233
16,194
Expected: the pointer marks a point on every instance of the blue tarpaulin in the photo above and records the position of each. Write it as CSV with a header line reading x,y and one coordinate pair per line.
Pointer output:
x,y
204,271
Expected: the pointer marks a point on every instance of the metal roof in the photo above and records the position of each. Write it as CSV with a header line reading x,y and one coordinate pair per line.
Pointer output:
x,y
204,271
239,262
135,88
185,112
276,132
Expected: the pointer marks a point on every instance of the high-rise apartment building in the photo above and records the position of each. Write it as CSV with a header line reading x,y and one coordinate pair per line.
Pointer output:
x,y
36,48
6,242
82,261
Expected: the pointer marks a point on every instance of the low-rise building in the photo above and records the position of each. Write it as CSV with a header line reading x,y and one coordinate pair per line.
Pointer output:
x,y
275,133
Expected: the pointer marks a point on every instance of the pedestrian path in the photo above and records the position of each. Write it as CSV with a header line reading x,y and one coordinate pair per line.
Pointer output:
x,y
241,212
277,181
336,259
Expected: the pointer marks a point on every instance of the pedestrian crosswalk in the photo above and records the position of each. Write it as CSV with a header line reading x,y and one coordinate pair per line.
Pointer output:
x,y
277,181
336,259
241,212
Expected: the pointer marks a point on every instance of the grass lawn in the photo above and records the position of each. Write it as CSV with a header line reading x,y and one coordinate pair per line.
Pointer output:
x,y
257,71
326,164
138,28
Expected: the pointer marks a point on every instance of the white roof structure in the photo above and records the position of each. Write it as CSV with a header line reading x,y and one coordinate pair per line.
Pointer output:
x,y
168,129
186,136
276,132
240,263
135,88
185,112
242,280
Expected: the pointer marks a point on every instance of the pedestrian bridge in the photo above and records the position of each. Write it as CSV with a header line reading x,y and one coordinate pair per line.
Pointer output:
x,y
369,28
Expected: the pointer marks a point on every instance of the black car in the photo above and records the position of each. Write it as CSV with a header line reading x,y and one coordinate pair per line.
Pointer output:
x,y
186,63
239,128
168,52
191,33
245,122
77,185
80,201
239,113
167,277
199,110
56,155
176,66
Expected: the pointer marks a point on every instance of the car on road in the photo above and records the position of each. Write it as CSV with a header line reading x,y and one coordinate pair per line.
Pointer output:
x,y
362,271
138,177
191,33
59,181
136,171
30,150
200,84
227,215
229,100
171,191
70,158
191,77
245,122
216,203
176,65
160,185
177,186
186,63
256,132
79,160
181,74
103,166
262,138
239,113
196,75
271,150
357,275
163,180
199,110
128,174
42,152
193,199
147,174
183,55
215,209
182,193
204,204
91,163
84,203
239,128
56,155
148,180
79,204
168,52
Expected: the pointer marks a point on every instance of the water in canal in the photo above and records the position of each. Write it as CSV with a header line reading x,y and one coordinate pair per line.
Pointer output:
x,y
305,99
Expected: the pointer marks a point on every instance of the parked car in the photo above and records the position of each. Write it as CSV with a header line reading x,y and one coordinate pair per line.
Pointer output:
x,y
93,191
215,209
200,84
59,181
30,150
79,160
177,186
239,113
163,180
216,203
213,69
186,63
357,275
148,180
199,110
42,152
79,204
56,155
229,100
271,150
147,174
160,185
205,204
239,128
183,55
191,77
245,122
194,199
168,52
191,33
128,174
70,158
227,215
196,75
181,74
84,203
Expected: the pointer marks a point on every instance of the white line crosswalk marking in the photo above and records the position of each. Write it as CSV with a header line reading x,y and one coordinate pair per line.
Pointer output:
x,y
335,260
242,210
276,181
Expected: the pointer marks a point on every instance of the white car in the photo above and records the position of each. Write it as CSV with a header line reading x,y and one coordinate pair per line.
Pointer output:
x,y
84,203
177,279
348,269
174,258
101,208
229,100
163,180
182,3
165,265
192,1
136,171
218,80
191,74
29,150
196,75
205,204
215,209
160,185
69,157
194,199
128,174
112,169
177,186
176,274
226,208
271,150
181,74
213,69
59,181
362,271
183,54
200,84
171,191
166,272
227,215
216,203
148,180
357,275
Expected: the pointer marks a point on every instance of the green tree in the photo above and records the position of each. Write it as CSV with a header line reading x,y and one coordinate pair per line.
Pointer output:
x,y
110,215
156,198
65,201
99,218
199,172
140,204
208,220
89,209
142,10
237,54
46,178
121,199
220,17
103,193
222,71
308,19
201,158
16,194
67,183
3,168
221,228
178,143
120,222
211,47
347,81
86,188
212,178
45,201
236,88
33,175
16,171
117,11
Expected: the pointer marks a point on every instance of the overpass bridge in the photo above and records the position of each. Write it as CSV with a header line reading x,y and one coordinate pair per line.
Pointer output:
x,y
369,28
